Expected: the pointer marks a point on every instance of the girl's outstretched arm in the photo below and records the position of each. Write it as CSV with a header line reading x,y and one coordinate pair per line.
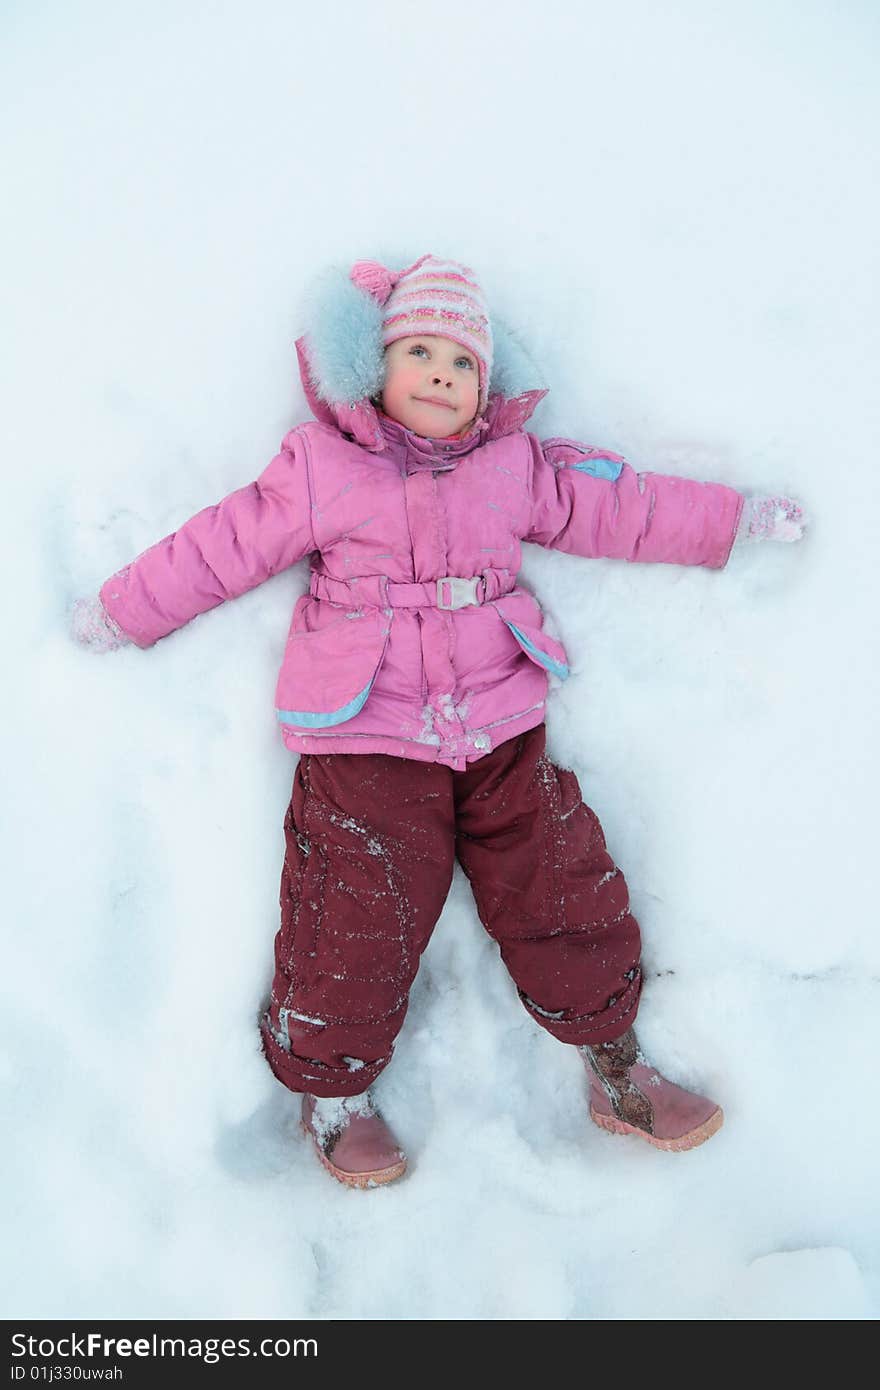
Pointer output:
x,y
218,554
590,502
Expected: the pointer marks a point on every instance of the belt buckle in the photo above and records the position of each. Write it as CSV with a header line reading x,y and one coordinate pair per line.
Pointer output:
x,y
461,591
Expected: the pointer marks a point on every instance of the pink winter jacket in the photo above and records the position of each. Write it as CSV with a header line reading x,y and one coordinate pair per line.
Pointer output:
x,y
415,638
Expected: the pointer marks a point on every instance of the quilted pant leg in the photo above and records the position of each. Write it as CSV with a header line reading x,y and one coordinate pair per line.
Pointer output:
x,y
370,845
548,892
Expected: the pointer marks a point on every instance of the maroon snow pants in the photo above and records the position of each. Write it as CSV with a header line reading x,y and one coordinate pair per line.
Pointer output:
x,y
371,841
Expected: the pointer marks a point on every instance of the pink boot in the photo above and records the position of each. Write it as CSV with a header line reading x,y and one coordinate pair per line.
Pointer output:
x,y
352,1140
629,1096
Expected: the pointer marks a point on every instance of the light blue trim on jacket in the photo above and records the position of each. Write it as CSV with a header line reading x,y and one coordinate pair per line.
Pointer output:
x,y
556,667
599,468
307,719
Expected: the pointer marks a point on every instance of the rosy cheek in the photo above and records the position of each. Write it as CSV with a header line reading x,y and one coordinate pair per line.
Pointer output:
x,y
398,381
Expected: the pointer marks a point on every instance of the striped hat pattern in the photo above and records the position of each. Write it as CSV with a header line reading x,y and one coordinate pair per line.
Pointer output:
x,y
432,296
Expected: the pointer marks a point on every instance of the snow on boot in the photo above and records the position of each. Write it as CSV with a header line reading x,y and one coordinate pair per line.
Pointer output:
x,y
352,1140
629,1096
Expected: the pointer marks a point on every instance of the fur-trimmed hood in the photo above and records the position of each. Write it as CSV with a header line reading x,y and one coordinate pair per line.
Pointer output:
x,y
342,365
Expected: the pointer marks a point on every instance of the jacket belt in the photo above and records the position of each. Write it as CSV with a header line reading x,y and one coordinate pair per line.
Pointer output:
x,y
449,592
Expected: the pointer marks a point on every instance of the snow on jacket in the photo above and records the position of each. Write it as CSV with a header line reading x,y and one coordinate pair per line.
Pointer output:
x,y
415,638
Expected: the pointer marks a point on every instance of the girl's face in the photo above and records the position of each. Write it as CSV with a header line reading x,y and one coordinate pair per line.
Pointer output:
x,y
432,385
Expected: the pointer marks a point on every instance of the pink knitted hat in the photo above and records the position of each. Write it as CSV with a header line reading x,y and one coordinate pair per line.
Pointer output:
x,y
432,296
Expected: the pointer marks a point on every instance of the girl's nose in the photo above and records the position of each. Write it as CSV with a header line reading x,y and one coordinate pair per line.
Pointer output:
x,y
441,381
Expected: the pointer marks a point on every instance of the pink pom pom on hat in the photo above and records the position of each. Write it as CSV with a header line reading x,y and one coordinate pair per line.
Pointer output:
x,y
374,279
432,296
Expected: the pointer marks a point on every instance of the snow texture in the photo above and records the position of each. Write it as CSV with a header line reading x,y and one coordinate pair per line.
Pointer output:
x,y
681,222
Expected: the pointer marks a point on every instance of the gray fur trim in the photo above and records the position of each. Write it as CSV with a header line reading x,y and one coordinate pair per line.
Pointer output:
x,y
344,339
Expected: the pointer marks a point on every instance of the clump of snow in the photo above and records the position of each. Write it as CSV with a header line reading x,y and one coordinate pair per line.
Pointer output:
x,y
428,733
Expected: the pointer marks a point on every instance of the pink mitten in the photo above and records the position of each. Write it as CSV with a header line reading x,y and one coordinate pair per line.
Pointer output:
x,y
771,519
93,627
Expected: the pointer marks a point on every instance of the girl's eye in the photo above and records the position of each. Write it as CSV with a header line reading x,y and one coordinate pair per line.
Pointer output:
x,y
417,347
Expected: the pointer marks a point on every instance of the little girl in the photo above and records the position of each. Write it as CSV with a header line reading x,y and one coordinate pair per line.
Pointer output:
x,y
413,688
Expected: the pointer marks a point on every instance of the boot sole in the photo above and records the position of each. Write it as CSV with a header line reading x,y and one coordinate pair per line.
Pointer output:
x,y
375,1179
685,1141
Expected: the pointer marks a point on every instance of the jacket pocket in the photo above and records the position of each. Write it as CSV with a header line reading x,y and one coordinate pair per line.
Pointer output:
x,y
518,613
330,662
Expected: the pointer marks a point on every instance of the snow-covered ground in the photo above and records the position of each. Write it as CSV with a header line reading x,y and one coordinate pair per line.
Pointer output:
x,y
676,205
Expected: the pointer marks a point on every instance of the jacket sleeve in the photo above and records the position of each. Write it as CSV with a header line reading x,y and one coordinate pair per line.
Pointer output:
x,y
219,553
590,502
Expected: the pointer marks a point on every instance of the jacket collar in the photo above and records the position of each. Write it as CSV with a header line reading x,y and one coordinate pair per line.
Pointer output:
x,y
421,451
